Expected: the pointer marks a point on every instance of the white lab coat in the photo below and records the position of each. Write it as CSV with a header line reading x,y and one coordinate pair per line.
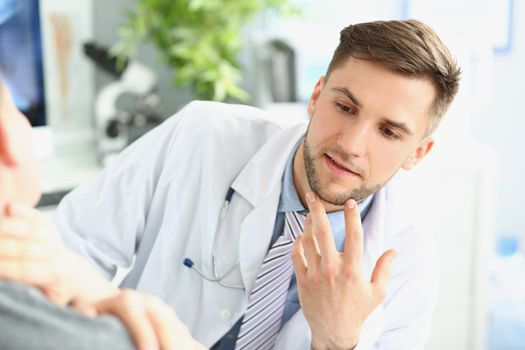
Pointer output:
x,y
159,203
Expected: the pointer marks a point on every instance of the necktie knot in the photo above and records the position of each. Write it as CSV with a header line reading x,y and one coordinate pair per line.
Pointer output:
x,y
293,224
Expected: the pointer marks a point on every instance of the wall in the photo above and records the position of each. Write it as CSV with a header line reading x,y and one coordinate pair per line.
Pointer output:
x,y
501,127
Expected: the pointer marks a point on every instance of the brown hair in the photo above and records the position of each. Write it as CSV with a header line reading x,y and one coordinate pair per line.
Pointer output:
x,y
409,47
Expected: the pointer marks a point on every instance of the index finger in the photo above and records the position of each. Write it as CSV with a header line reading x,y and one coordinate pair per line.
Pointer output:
x,y
129,307
353,253
171,332
321,227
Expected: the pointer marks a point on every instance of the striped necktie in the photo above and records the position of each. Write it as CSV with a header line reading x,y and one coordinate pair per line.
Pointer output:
x,y
262,321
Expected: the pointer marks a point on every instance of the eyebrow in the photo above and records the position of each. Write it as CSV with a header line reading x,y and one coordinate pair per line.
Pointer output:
x,y
398,125
347,93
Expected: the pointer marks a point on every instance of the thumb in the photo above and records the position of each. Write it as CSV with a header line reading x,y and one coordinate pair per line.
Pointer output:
x,y
382,270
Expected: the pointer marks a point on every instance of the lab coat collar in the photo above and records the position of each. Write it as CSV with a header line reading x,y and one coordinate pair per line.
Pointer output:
x,y
261,177
260,184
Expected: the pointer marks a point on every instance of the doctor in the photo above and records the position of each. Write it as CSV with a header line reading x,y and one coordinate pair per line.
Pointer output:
x,y
201,207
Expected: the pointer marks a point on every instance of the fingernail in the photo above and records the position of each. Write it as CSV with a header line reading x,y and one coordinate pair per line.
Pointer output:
x,y
350,204
311,197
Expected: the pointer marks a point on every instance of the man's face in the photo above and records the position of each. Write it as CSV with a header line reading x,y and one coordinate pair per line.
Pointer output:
x,y
19,168
367,122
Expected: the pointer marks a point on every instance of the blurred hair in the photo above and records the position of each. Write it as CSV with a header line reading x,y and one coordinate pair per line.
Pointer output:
x,y
409,47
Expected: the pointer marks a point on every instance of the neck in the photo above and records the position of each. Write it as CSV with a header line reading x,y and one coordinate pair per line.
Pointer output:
x,y
300,181
299,175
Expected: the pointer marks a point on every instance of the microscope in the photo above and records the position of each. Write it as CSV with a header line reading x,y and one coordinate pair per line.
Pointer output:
x,y
117,126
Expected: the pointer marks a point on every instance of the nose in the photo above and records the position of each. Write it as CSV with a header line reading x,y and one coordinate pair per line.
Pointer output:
x,y
353,139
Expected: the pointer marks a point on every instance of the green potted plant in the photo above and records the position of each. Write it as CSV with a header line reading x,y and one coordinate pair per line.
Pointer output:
x,y
198,39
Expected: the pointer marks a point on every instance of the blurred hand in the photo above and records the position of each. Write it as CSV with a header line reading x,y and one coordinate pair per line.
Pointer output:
x,y
151,323
32,252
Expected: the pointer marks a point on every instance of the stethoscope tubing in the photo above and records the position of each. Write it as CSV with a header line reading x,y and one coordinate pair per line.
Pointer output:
x,y
219,279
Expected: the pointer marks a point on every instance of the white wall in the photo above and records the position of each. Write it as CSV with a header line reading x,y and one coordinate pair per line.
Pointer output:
x,y
501,126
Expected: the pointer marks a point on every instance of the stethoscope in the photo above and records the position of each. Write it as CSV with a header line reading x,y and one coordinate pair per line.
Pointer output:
x,y
219,279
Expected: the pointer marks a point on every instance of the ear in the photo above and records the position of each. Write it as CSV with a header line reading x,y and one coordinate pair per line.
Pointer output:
x,y
421,151
7,156
315,96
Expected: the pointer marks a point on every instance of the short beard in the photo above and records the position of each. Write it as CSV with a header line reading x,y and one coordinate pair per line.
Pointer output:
x,y
337,199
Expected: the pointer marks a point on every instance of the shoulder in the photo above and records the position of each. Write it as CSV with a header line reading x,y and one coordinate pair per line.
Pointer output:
x,y
215,138
219,129
208,115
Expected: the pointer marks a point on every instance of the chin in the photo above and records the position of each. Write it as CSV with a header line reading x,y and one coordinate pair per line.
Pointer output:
x,y
335,195
338,194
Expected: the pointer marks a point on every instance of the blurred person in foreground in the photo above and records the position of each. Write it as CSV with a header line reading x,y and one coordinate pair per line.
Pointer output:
x,y
51,318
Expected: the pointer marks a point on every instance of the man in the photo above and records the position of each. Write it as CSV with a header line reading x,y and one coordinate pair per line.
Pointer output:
x,y
29,243
204,209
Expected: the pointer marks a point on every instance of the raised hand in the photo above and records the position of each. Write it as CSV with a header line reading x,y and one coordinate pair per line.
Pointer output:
x,y
31,252
335,297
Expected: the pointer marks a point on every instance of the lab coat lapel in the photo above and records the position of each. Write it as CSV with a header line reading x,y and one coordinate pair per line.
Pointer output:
x,y
260,183
256,233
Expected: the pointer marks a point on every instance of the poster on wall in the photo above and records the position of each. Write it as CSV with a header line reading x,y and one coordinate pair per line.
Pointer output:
x,y
68,74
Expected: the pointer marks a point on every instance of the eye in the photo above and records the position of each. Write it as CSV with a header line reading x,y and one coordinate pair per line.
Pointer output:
x,y
344,108
390,134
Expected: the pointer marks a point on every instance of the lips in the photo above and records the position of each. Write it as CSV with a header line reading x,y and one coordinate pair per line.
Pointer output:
x,y
338,167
